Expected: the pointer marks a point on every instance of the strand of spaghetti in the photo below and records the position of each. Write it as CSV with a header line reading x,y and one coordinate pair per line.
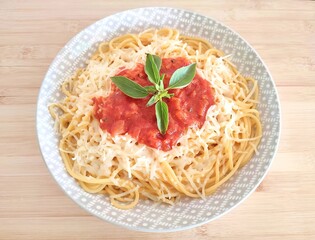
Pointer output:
x,y
126,206
217,171
123,194
176,183
230,154
116,193
193,185
224,179
92,188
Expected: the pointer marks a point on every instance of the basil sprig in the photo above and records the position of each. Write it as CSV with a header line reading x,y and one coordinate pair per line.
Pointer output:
x,y
180,79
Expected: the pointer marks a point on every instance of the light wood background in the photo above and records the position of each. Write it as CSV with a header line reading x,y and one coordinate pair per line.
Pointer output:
x,y
32,206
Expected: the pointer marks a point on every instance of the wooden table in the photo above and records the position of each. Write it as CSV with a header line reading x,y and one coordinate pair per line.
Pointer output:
x,y
32,206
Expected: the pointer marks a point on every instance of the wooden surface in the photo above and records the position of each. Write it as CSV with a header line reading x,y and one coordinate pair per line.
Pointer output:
x,y
32,206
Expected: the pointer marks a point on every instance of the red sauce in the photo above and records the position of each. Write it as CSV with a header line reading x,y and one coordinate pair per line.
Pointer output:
x,y
120,114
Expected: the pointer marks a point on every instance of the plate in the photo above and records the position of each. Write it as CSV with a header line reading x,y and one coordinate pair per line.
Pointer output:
x,y
147,215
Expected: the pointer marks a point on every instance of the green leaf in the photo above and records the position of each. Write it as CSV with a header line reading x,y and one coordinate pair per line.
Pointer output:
x,y
161,112
158,61
182,76
129,87
150,89
152,100
152,68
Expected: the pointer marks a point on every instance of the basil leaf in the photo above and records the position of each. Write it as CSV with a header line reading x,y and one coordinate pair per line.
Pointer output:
x,y
152,68
161,112
158,61
182,76
150,89
152,100
129,87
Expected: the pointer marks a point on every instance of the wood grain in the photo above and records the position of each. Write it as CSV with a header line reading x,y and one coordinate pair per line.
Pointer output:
x,y
32,206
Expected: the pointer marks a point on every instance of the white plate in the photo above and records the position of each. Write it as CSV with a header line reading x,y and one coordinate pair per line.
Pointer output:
x,y
149,216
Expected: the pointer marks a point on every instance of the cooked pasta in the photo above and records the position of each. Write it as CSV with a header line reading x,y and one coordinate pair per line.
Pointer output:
x,y
117,165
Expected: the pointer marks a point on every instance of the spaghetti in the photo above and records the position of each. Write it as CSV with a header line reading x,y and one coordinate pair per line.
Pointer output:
x,y
203,158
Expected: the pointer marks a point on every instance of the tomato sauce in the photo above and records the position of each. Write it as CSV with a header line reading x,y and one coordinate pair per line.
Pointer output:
x,y
120,114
